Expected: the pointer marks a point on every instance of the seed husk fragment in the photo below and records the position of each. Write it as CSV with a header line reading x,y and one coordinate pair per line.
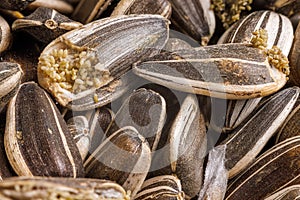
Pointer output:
x,y
45,24
276,169
10,79
245,142
161,187
123,157
100,52
37,140
215,182
55,188
231,71
159,7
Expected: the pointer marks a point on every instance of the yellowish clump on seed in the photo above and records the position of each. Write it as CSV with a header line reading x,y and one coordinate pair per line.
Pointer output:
x,y
278,60
229,11
73,69
275,56
259,39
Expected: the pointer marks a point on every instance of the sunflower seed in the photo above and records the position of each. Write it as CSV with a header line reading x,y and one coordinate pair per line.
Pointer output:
x,y
89,10
286,7
274,170
194,18
242,32
123,157
278,26
6,170
187,148
43,188
291,192
294,58
99,122
161,187
145,110
291,125
45,24
15,4
159,7
10,79
5,35
245,142
37,140
232,71
295,19
100,52
238,111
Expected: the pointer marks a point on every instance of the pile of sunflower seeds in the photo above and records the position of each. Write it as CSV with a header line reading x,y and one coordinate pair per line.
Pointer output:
x,y
152,99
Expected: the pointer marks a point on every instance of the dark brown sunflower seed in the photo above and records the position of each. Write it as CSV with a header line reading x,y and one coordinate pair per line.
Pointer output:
x,y
194,18
127,7
25,52
45,24
294,58
99,122
286,7
37,139
161,187
44,188
89,10
295,19
145,110
6,170
276,169
291,192
123,157
245,142
291,126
